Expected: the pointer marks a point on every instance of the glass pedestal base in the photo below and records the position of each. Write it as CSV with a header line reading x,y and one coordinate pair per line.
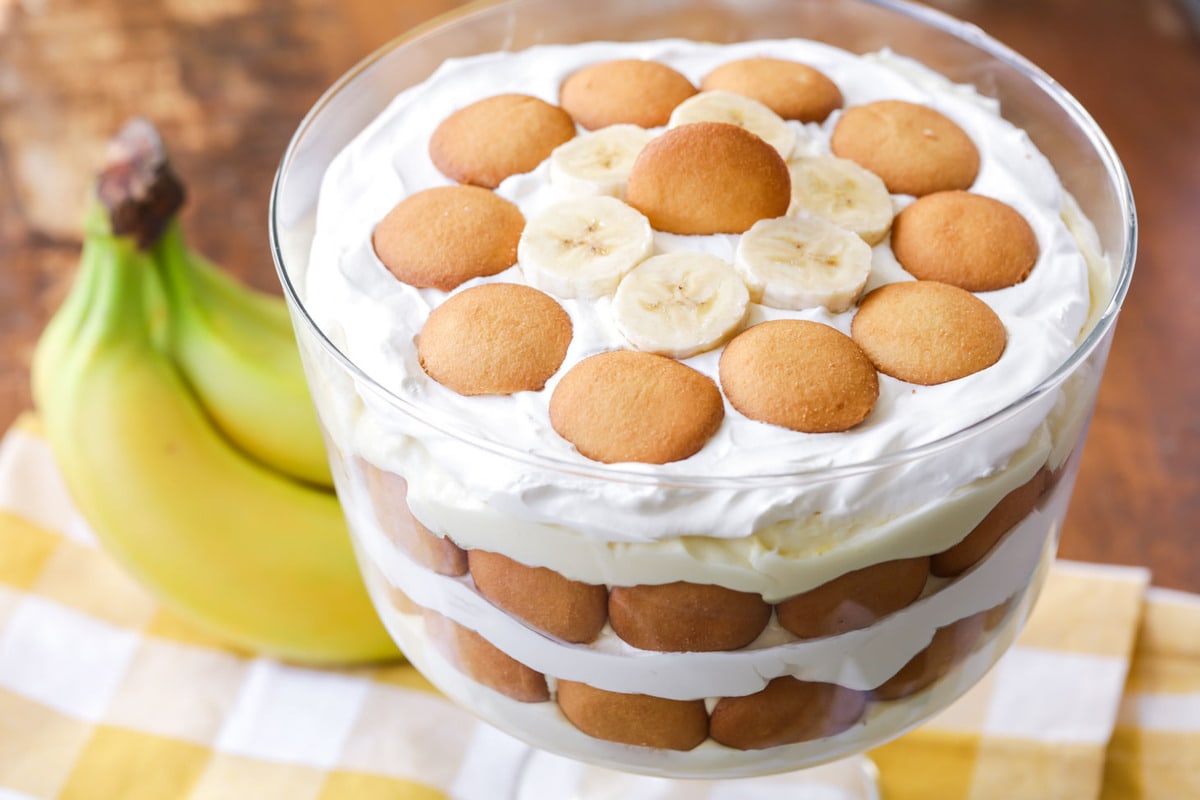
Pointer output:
x,y
545,775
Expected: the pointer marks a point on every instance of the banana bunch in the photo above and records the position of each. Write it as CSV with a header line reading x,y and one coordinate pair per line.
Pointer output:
x,y
174,402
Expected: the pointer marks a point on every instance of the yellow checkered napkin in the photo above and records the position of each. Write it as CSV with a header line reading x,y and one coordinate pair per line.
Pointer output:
x,y
1036,727
1155,751
105,696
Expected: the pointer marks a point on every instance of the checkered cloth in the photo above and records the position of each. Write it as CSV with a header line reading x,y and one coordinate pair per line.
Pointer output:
x,y
106,696
1038,724
1155,751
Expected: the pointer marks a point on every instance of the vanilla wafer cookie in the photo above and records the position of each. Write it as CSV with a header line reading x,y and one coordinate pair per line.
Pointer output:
x,y
913,148
624,91
630,406
968,240
636,719
440,237
499,136
927,332
674,181
790,89
497,338
801,375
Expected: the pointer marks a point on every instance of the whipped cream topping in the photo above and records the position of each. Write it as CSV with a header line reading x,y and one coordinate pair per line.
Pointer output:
x,y
777,562
373,319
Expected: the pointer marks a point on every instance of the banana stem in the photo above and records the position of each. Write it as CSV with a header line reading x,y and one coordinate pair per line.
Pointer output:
x,y
138,185
137,194
117,305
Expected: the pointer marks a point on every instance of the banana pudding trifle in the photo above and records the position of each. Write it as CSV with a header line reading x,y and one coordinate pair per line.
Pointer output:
x,y
688,429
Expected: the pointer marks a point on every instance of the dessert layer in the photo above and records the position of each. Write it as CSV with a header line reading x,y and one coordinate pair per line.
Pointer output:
x,y
860,659
519,470
777,561
543,725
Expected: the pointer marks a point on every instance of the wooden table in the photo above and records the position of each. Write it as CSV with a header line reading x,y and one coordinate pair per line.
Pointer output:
x,y
228,80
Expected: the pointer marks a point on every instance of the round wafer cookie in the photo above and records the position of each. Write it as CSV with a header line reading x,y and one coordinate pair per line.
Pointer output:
x,y
625,91
790,89
402,602
498,338
801,375
475,656
854,600
950,646
709,177
389,499
926,332
995,616
499,136
636,719
787,711
632,406
571,610
438,238
686,617
968,240
1011,509
913,148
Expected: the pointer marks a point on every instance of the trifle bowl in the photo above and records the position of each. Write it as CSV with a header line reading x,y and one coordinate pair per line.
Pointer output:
x,y
712,509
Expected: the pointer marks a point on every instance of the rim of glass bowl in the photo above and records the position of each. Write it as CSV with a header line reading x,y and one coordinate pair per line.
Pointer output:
x,y
966,32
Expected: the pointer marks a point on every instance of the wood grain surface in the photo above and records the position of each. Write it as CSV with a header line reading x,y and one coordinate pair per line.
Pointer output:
x,y
228,80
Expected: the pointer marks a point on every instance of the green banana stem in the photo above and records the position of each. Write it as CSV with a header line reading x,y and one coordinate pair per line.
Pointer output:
x,y
118,303
135,196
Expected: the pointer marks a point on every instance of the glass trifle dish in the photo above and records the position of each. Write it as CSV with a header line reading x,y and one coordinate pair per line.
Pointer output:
x,y
704,382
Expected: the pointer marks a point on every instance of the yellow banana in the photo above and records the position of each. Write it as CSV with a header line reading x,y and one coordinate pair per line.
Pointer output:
x,y
237,350
259,558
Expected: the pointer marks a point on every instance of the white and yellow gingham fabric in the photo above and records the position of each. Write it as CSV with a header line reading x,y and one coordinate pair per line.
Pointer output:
x,y
1155,750
1037,725
106,696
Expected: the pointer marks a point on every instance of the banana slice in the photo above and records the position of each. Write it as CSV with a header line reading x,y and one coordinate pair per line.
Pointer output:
x,y
722,106
844,193
582,247
598,162
680,304
803,262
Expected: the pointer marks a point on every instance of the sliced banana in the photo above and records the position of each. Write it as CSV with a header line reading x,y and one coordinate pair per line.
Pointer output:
x,y
598,162
582,247
680,304
839,190
737,109
803,262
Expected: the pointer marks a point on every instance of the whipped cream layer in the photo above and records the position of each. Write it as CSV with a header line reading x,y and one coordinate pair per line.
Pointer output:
x,y
499,456
543,725
859,659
